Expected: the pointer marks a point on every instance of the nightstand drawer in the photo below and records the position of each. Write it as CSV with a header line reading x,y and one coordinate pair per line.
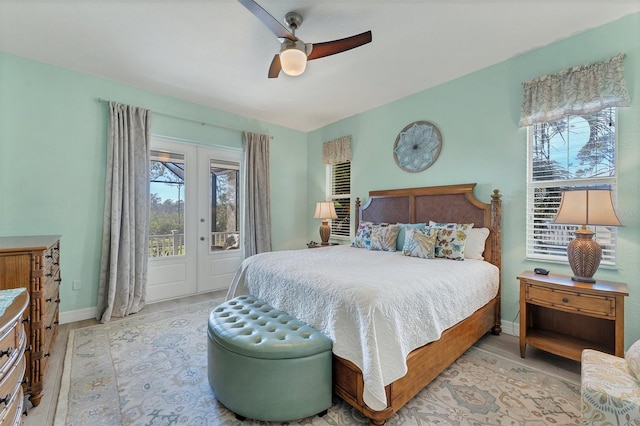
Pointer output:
x,y
571,301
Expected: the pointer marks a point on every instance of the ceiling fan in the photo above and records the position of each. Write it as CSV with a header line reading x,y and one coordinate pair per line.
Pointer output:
x,y
294,53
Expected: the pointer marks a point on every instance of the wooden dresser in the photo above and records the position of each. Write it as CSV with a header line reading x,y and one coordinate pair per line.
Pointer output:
x,y
34,262
12,355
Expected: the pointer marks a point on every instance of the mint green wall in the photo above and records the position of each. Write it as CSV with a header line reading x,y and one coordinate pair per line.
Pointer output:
x,y
477,116
53,147
53,155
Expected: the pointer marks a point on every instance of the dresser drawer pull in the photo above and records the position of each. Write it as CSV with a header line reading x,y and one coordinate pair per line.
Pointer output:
x,y
58,280
6,399
25,381
47,354
565,300
8,352
27,319
49,327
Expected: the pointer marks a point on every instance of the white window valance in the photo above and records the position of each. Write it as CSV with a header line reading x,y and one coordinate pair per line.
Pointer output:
x,y
581,90
337,150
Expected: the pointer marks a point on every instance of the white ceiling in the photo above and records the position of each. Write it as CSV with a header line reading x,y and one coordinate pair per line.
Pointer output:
x,y
216,53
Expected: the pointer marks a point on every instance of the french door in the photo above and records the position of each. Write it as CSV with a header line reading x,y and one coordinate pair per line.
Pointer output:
x,y
195,243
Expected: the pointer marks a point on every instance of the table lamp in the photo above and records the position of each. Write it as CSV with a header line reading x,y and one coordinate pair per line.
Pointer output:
x,y
325,210
586,207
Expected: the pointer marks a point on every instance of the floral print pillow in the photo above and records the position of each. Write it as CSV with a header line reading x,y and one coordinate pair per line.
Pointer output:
x,y
420,242
451,240
383,238
363,235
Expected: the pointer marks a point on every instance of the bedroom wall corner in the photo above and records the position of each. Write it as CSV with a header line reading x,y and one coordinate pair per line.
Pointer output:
x,y
478,116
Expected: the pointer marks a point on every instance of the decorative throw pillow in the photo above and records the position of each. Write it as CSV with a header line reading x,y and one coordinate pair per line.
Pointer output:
x,y
420,243
383,237
363,235
401,233
452,238
633,359
474,247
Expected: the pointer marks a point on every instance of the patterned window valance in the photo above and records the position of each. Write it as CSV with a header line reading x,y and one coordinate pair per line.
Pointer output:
x,y
337,151
576,91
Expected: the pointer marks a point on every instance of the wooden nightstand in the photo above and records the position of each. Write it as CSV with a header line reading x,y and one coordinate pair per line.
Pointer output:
x,y
564,317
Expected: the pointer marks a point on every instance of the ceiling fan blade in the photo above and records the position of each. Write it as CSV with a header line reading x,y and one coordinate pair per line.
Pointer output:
x,y
274,69
272,23
320,50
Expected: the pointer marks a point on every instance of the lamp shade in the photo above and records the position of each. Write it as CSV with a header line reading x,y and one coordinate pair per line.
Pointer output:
x,y
293,59
325,210
587,207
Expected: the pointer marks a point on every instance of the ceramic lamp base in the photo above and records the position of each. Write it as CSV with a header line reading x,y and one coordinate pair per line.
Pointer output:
x,y
325,233
584,256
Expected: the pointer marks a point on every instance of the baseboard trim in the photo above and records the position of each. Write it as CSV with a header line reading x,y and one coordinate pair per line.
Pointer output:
x,y
78,315
511,328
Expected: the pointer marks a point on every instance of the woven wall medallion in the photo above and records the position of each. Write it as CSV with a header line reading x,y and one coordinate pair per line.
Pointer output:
x,y
417,146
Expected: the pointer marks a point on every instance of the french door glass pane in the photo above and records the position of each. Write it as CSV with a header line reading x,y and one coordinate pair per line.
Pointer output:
x,y
166,216
225,204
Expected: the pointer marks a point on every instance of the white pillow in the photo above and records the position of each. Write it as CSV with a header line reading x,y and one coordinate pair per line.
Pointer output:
x,y
633,359
474,247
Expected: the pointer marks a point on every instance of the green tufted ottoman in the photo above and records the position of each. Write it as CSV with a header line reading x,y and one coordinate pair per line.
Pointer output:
x,y
265,364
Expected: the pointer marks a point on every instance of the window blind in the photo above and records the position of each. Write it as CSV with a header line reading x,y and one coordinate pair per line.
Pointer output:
x,y
576,151
340,186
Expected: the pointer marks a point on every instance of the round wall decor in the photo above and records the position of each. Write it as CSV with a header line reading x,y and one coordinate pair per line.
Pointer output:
x,y
417,146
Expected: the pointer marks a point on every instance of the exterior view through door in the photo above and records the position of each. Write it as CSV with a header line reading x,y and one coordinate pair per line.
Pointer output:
x,y
195,243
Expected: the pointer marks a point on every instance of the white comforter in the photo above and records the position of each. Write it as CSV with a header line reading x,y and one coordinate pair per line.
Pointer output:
x,y
375,306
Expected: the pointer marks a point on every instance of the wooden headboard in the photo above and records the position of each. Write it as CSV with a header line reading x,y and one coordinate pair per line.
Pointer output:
x,y
450,203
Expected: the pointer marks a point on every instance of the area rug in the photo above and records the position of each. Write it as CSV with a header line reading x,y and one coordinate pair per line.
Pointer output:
x,y
152,370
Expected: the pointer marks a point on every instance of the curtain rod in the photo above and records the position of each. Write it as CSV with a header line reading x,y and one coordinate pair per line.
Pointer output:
x,y
202,123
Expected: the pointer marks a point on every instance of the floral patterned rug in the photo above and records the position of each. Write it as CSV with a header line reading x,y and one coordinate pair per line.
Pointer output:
x,y
152,370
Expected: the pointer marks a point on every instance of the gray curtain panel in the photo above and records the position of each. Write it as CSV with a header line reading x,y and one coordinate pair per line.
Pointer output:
x,y
257,233
125,236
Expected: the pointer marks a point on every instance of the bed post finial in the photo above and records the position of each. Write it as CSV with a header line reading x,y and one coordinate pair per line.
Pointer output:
x,y
356,221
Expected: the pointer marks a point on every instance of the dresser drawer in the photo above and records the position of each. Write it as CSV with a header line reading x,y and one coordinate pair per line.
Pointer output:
x,y
13,413
9,347
571,301
10,389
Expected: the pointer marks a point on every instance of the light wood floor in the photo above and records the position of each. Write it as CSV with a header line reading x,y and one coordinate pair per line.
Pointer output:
x,y
504,345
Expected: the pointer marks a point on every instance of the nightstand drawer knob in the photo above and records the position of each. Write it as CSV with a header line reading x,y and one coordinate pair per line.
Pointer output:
x,y
565,300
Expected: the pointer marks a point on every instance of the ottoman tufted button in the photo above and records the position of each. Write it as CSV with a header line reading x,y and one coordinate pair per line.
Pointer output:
x,y
269,324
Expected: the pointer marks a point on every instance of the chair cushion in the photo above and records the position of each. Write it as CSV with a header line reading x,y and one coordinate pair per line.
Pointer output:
x,y
609,390
633,359
249,326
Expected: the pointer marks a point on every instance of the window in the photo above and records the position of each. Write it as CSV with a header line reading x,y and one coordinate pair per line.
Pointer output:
x,y
339,191
166,210
225,196
576,151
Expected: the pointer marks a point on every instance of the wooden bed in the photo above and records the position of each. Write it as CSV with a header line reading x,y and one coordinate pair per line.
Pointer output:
x,y
452,203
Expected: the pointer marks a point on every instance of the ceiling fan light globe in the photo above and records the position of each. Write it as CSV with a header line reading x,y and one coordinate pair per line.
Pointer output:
x,y
293,61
